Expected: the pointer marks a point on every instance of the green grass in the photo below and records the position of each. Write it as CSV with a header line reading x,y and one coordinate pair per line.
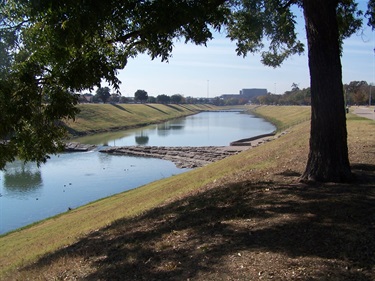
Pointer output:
x,y
283,117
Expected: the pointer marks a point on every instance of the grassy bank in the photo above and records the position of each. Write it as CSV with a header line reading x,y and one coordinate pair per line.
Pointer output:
x,y
277,115
238,218
95,118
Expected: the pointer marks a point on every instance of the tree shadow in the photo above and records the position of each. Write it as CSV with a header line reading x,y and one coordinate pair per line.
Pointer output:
x,y
290,173
175,107
73,132
121,108
327,225
187,108
158,109
364,173
205,105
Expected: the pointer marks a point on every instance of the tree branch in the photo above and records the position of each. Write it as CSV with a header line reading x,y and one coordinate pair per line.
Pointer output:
x,y
288,4
125,37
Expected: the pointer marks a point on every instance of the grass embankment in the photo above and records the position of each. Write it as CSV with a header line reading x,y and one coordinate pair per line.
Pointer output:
x,y
241,218
95,118
276,115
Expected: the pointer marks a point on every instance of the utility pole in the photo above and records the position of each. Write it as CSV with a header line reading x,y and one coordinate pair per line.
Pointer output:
x,y
208,89
369,99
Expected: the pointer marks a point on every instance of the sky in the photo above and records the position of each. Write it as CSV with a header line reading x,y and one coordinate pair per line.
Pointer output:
x,y
212,71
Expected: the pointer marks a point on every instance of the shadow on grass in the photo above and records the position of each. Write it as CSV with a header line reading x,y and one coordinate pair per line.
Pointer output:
x,y
175,107
326,230
121,108
290,173
158,109
187,108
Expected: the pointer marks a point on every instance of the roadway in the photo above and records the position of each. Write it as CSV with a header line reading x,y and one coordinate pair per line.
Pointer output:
x,y
366,112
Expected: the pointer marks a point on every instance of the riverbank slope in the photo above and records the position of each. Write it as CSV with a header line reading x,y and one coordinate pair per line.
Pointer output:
x,y
97,118
242,218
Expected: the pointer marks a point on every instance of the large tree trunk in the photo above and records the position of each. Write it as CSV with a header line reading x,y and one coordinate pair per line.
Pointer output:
x,y
328,157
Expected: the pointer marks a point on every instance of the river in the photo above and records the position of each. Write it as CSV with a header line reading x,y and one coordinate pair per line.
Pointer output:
x,y
69,180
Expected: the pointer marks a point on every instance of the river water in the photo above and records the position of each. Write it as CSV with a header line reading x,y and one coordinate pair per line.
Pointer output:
x,y
69,180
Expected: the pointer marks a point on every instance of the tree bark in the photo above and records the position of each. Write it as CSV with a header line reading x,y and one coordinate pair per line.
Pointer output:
x,y
328,159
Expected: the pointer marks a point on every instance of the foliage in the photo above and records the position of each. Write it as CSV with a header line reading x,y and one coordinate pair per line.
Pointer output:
x,y
114,98
256,20
234,101
371,13
218,101
50,49
256,23
103,94
163,99
123,99
151,99
358,93
141,95
176,99
296,96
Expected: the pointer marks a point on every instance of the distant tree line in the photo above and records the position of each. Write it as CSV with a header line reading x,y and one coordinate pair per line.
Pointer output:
x,y
356,93
295,96
103,95
359,93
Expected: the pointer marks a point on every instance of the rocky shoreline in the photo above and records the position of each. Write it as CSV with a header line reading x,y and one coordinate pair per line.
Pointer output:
x,y
78,147
182,157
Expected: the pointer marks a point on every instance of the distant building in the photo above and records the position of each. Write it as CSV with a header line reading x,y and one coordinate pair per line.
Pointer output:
x,y
247,94
252,93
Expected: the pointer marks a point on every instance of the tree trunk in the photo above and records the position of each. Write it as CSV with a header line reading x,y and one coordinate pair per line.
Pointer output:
x,y
328,157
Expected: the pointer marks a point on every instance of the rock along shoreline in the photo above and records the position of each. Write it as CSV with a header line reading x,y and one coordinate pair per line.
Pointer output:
x,y
182,156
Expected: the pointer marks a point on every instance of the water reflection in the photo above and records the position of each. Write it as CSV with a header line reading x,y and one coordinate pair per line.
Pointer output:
x,y
165,129
22,178
104,159
203,129
105,139
142,138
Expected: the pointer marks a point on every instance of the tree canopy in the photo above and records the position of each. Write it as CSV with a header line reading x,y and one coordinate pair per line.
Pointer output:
x,y
50,49
141,95
163,99
103,94
177,98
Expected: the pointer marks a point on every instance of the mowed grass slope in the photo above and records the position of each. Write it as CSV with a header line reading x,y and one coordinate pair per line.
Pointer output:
x,y
105,117
277,163
277,115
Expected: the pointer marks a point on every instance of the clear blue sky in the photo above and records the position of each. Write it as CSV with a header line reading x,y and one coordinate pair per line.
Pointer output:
x,y
214,70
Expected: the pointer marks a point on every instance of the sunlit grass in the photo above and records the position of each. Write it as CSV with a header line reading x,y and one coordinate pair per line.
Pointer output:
x,y
278,116
101,117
